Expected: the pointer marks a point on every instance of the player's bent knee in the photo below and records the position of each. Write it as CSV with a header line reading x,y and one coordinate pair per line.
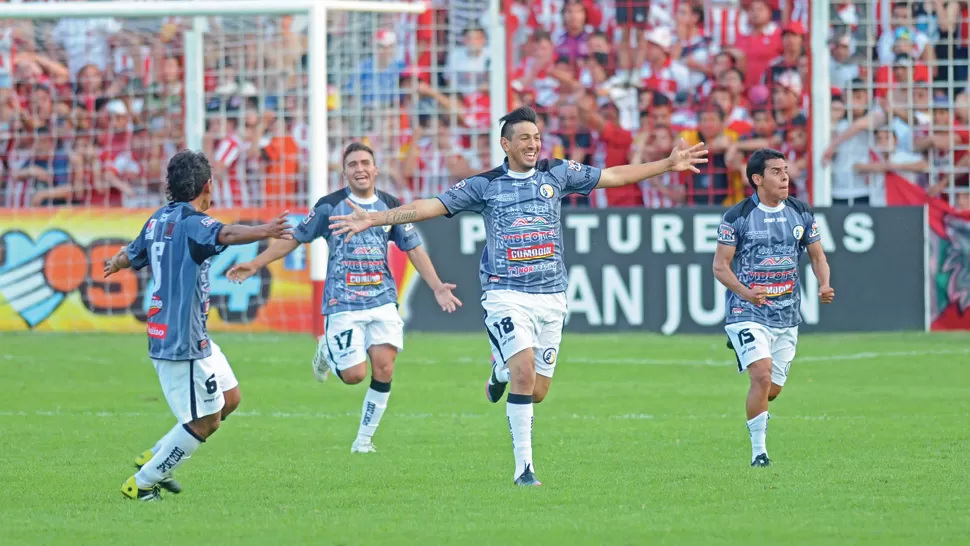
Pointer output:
x,y
354,374
233,399
204,427
760,373
774,392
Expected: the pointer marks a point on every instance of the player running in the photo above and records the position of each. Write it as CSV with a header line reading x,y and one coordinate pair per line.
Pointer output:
x,y
360,299
522,271
198,383
759,243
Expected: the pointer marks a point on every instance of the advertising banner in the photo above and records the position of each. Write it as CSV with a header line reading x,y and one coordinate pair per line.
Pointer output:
x,y
635,269
629,270
51,276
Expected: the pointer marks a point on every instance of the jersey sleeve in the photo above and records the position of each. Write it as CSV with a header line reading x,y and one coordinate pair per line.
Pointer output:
x,y
576,177
466,195
811,235
137,250
731,230
403,235
316,224
202,234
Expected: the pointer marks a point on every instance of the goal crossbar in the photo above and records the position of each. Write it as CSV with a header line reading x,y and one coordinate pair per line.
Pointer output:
x,y
193,8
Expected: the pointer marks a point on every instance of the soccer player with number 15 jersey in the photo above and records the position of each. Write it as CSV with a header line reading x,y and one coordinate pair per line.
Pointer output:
x,y
760,241
522,272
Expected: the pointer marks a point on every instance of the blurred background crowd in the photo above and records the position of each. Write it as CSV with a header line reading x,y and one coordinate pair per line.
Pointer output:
x,y
91,109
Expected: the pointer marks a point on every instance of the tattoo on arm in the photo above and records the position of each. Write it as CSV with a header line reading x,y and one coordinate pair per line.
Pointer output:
x,y
399,216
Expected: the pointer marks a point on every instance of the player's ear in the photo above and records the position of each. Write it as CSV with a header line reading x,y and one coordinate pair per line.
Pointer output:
x,y
505,144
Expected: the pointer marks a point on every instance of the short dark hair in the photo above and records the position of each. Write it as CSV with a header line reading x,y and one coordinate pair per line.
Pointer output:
x,y
758,161
519,115
357,147
188,173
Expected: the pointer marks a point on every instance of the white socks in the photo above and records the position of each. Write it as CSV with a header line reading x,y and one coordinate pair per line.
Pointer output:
x,y
519,411
175,448
758,428
502,372
375,402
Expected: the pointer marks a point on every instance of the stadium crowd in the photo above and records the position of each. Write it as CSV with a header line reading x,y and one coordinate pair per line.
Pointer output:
x,y
91,109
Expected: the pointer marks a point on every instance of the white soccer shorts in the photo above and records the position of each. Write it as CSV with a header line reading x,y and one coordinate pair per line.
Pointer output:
x,y
516,321
753,341
193,388
351,333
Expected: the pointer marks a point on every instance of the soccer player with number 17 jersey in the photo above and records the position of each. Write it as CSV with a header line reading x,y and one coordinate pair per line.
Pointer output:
x,y
177,242
760,241
522,271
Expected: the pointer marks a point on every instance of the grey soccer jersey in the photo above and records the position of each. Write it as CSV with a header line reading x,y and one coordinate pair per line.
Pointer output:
x,y
769,242
177,242
523,249
358,276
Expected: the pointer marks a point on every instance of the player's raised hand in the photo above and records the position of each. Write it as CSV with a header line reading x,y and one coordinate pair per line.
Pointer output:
x,y
757,295
240,272
448,302
111,264
684,158
351,224
280,228
826,294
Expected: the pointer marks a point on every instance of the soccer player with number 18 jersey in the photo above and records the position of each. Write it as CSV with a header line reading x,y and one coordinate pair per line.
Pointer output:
x,y
760,241
522,272
197,381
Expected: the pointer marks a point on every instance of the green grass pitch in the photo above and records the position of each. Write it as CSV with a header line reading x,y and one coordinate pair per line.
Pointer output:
x,y
641,441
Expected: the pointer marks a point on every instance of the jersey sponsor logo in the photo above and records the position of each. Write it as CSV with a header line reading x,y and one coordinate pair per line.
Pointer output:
x,y
522,224
354,294
459,185
520,270
737,310
535,209
777,250
157,331
813,232
779,220
726,233
332,301
534,237
573,166
549,356
547,191
155,307
169,230
798,231
505,197
309,217
774,275
777,262
150,229
364,279
759,234
367,251
207,221
778,289
358,264
203,343
493,278
535,252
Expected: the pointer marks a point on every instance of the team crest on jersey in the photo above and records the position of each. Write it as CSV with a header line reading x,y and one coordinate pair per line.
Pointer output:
x,y
459,185
798,231
387,229
208,221
573,166
155,306
309,217
814,231
549,356
150,229
546,191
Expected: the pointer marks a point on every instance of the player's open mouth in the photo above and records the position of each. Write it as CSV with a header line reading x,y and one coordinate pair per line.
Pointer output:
x,y
530,155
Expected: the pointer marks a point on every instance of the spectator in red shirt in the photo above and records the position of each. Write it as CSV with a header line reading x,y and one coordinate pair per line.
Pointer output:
x,y
757,49
612,147
793,49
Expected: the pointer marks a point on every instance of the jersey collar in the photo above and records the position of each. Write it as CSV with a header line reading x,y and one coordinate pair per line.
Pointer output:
x,y
361,201
516,174
780,207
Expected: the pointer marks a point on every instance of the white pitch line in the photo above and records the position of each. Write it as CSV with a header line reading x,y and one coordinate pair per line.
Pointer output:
x,y
321,415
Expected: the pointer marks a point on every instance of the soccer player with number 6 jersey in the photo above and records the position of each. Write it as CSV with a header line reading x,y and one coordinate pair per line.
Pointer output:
x,y
522,271
360,298
197,381
760,241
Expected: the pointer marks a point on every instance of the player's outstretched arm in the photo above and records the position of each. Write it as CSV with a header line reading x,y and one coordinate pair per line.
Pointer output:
x,y
820,266
442,291
725,275
278,249
682,158
361,220
235,234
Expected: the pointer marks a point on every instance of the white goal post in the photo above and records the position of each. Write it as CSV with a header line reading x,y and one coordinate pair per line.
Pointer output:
x,y
315,10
